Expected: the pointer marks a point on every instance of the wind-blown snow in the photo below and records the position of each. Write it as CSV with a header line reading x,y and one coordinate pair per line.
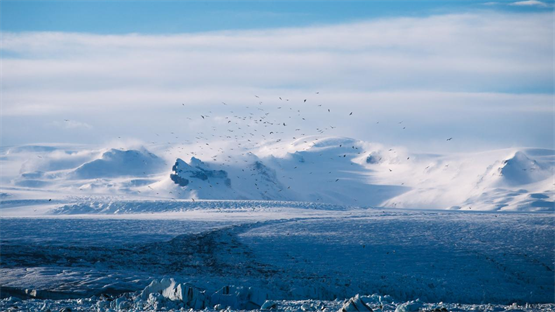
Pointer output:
x,y
318,169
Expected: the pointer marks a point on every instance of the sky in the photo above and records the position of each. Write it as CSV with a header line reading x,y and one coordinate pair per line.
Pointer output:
x,y
413,73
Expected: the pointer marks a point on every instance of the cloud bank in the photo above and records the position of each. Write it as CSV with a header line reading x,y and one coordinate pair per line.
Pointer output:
x,y
446,63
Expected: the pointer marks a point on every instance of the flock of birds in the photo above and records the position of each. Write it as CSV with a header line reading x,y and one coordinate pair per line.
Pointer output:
x,y
248,127
252,126
256,126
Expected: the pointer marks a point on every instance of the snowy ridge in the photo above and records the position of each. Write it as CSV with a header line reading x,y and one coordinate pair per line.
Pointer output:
x,y
117,163
318,169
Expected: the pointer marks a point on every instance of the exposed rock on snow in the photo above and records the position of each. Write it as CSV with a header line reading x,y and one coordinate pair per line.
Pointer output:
x,y
183,173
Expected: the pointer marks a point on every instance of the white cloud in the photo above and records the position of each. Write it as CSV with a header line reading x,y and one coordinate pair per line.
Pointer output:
x,y
520,3
469,52
438,69
530,3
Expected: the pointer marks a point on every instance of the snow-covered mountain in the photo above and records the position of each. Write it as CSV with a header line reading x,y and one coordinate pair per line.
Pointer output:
x,y
118,163
332,170
323,170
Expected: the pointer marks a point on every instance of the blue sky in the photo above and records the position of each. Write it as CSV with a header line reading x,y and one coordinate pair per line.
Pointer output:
x,y
118,17
142,70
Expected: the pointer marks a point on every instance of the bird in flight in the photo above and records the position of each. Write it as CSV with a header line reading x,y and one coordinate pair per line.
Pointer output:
x,y
449,139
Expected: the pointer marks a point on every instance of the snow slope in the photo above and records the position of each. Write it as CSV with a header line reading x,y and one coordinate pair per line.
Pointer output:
x,y
117,163
502,180
47,172
319,169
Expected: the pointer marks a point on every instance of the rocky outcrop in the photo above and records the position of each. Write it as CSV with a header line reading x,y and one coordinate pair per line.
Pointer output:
x,y
183,173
